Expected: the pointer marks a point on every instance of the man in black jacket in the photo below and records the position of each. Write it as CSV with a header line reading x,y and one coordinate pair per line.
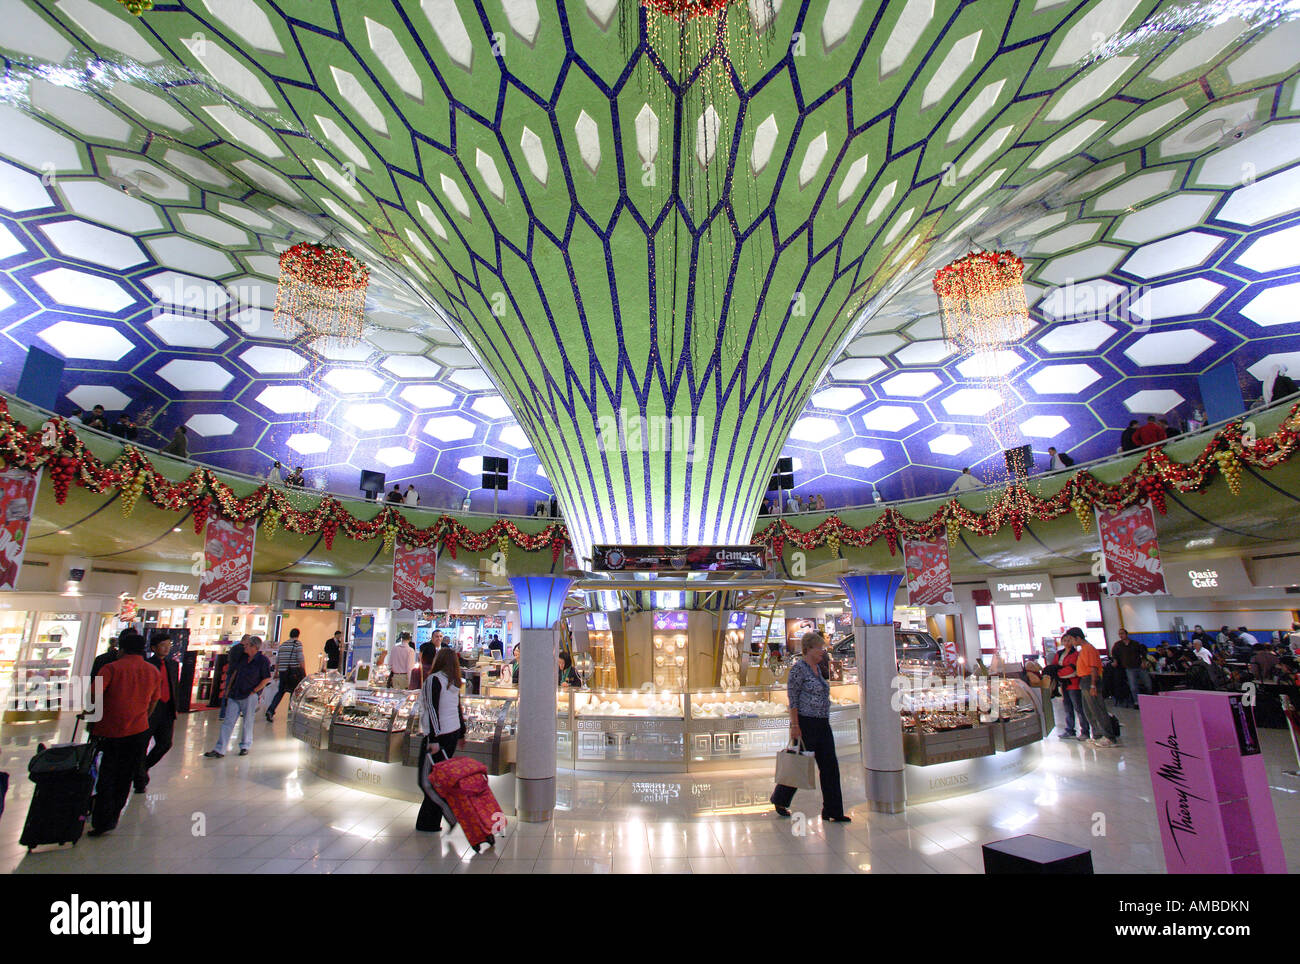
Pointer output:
x,y
162,722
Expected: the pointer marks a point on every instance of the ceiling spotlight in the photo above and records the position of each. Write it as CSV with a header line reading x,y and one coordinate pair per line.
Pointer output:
x,y
176,529
65,532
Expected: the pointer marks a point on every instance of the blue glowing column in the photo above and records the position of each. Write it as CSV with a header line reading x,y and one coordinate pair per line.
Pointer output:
x,y
541,602
872,598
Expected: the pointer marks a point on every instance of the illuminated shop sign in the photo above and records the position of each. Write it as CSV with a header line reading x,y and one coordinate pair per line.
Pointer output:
x,y
1222,576
679,559
167,587
1022,589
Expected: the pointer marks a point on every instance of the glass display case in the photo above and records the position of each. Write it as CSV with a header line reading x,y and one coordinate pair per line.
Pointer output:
x,y
364,721
754,722
490,726
311,708
948,718
616,729
604,668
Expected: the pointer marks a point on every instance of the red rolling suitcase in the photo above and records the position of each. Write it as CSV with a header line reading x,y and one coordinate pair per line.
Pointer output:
x,y
463,784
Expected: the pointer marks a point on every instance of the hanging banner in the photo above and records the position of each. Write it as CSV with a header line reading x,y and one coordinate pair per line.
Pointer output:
x,y
227,562
413,574
17,499
1130,551
929,576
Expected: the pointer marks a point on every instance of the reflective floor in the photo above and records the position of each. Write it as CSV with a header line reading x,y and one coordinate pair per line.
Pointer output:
x,y
261,814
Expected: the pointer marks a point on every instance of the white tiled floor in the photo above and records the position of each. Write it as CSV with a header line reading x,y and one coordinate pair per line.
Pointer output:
x,y
260,814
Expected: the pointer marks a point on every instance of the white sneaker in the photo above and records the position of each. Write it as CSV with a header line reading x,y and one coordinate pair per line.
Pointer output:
x,y
1103,742
1090,741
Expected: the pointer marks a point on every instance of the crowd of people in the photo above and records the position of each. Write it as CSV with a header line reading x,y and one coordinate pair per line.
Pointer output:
x,y
1227,660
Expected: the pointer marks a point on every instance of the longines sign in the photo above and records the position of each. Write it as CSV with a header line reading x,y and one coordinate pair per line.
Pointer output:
x,y
167,587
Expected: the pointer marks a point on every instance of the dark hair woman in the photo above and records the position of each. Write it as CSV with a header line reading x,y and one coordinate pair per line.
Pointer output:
x,y
421,673
568,675
443,725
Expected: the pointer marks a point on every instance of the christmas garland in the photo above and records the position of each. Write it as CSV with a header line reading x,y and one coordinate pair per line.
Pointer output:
x,y
56,447
1016,506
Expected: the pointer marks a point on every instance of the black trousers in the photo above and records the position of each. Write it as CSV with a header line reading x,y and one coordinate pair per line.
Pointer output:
x,y
289,679
430,815
162,725
122,757
816,732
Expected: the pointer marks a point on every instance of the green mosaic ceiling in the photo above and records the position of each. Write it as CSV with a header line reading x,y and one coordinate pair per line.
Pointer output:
x,y
523,176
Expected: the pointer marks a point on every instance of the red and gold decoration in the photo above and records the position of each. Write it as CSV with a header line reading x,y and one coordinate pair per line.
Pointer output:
x,y
982,299
1016,506
136,7
203,494
322,293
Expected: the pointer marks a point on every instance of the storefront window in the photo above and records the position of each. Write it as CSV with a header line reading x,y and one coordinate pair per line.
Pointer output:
x,y
13,632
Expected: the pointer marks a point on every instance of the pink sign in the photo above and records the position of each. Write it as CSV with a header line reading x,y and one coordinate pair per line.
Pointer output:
x,y
227,562
1211,792
1131,551
413,574
929,577
17,499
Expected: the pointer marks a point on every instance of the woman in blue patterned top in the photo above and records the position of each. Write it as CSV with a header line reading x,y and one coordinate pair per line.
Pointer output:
x,y
810,711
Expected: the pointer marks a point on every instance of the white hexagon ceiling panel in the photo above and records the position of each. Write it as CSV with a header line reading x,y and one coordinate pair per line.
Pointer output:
x,y
502,170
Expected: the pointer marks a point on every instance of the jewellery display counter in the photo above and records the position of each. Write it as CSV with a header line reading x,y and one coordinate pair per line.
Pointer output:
x,y
329,713
311,708
961,718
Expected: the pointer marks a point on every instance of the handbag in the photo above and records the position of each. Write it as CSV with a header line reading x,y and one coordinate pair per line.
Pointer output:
x,y
796,767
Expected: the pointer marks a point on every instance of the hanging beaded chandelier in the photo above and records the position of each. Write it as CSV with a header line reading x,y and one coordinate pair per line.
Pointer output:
x,y
321,294
982,300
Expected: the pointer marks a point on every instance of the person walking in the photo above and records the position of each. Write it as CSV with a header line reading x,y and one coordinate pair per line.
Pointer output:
x,y
290,665
810,710
162,721
1089,670
131,690
401,660
334,650
247,679
1129,654
443,726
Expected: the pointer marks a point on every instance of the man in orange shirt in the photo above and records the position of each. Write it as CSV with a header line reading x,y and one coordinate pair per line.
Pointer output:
x,y
1094,705
131,690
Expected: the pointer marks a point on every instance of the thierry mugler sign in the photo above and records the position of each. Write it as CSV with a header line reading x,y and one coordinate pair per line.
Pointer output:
x,y
1022,588
1221,576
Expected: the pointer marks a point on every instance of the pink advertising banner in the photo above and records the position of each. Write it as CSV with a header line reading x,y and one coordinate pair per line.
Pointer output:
x,y
227,562
929,576
1210,785
17,498
413,575
1131,551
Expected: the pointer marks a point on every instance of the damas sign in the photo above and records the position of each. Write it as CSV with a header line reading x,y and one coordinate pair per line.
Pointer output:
x,y
167,587
1022,589
1223,576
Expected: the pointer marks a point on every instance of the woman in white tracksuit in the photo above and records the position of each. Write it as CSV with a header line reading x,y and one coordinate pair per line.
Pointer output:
x,y
443,726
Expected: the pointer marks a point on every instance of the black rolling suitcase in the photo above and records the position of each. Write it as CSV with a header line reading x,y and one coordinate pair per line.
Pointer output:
x,y
64,775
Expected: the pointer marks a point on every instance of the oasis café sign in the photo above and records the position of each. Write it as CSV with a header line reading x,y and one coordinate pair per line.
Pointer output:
x,y
1221,576
679,559
167,587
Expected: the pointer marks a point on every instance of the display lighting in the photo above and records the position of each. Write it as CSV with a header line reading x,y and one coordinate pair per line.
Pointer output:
x,y
872,596
322,293
982,300
541,599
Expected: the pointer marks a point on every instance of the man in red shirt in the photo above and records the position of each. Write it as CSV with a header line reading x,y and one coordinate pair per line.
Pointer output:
x,y
131,690
1150,433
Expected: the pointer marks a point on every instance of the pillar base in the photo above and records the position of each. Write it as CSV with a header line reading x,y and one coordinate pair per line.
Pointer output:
x,y
535,799
885,793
